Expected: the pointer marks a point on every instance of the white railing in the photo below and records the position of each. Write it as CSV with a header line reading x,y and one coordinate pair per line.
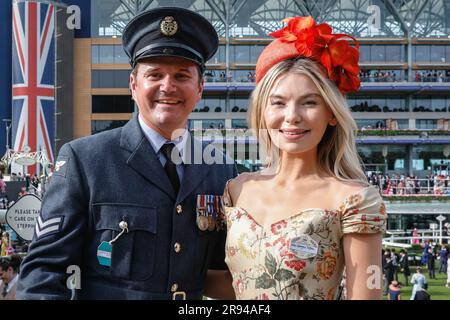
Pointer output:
x,y
406,242
408,186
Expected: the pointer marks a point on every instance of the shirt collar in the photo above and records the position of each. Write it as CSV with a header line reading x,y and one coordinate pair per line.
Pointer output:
x,y
157,141
12,283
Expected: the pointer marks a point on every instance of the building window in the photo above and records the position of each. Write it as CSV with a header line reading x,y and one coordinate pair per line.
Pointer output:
x,y
112,104
110,78
382,53
430,104
241,54
403,124
243,75
397,157
95,55
431,53
426,124
372,157
211,104
365,124
239,103
103,125
245,53
108,54
239,124
432,158
421,53
378,104
219,56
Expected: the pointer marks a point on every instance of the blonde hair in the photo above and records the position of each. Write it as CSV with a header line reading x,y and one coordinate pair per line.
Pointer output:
x,y
337,154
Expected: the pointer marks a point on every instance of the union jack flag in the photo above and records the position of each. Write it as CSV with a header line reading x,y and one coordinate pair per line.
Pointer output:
x,y
33,79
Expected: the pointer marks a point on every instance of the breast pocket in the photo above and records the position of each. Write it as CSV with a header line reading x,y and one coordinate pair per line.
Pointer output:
x,y
133,253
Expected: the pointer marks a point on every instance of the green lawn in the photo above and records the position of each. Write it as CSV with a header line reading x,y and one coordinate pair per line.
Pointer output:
x,y
436,287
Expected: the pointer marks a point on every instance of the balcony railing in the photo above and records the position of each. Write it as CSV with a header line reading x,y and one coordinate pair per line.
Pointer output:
x,y
438,185
406,132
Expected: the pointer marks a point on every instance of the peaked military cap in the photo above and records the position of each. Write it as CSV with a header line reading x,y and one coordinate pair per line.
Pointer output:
x,y
170,31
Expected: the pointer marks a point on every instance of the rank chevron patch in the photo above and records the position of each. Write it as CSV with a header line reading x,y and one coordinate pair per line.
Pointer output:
x,y
48,227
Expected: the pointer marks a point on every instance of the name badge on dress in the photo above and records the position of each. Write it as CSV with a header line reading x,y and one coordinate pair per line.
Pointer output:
x,y
304,247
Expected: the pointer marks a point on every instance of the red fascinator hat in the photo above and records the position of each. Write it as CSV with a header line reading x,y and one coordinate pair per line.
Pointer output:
x,y
304,38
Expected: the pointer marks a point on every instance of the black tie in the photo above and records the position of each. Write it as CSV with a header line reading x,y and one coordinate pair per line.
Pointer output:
x,y
170,167
5,290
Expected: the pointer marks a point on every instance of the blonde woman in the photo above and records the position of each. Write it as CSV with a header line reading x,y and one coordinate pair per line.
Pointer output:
x,y
294,226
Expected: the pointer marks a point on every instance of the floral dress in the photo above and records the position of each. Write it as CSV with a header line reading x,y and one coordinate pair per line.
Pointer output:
x,y
300,257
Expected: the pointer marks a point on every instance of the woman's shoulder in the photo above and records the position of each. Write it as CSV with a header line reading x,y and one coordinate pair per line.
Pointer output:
x,y
345,190
243,177
234,186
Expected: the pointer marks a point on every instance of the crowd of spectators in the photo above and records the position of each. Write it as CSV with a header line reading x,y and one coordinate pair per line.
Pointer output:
x,y
378,76
400,184
432,76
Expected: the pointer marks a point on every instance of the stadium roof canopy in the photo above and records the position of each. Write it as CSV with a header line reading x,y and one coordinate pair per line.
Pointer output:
x,y
256,18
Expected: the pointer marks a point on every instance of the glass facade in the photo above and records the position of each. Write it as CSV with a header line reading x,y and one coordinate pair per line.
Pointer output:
x,y
428,158
245,53
111,54
364,18
385,28
382,53
377,103
211,104
426,103
381,124
431,53
420,160
239,124
411,221
426,124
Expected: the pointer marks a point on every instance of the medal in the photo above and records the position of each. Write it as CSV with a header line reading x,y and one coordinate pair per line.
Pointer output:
x,y
202,223
202,220
211,224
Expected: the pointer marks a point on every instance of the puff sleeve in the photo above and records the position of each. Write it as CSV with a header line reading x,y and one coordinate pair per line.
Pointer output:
x,y
363,212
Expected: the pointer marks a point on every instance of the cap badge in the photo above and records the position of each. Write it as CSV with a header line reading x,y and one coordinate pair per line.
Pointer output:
x,y
169,26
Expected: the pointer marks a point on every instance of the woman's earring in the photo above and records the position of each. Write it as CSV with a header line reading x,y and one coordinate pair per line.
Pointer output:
x,y
332,122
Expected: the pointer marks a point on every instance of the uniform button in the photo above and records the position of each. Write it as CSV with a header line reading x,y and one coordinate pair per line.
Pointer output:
x,y
179,209
177,247
174,287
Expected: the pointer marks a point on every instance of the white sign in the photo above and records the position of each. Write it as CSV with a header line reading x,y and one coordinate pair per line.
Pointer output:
x,y
23,214
440,218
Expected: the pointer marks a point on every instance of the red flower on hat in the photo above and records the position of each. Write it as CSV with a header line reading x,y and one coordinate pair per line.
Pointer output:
x,y
341,61
309,38
318,43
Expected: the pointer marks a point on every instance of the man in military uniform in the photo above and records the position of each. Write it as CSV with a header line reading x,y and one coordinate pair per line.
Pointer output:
x,y
129,206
